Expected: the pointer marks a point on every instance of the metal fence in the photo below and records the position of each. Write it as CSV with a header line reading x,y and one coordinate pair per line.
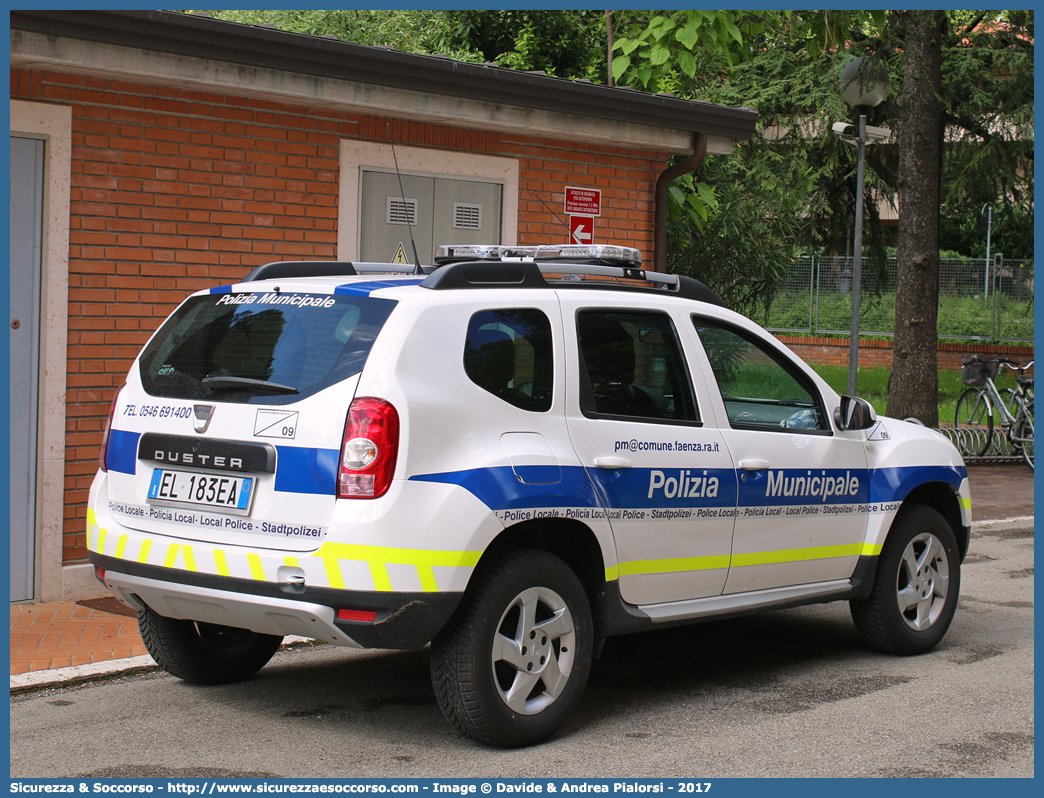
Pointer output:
x,y
977,301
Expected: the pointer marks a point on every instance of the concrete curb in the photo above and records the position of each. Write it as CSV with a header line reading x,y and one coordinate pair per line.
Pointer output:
x,y
1002,524
66,677
77,674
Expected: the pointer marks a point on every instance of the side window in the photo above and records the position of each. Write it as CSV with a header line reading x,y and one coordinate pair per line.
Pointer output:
x,y
758,390
508,353
632,366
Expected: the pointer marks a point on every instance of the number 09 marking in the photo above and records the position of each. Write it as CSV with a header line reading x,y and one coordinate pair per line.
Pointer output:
x,y
276,424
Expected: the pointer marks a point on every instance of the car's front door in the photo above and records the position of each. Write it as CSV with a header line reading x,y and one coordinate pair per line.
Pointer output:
x,y
803,485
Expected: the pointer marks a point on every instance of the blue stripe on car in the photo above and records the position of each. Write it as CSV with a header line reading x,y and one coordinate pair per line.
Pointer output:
x,y
499,489
365,289
895,484
776,487
121,454
305,470
309,470
627,488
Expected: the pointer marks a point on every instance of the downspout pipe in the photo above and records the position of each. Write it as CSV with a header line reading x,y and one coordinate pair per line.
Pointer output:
x,y
663,182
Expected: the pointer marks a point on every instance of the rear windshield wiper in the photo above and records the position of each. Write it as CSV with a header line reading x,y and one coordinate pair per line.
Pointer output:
x,y
244,383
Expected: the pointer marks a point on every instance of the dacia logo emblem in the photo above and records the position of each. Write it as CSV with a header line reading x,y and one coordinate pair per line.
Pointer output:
x,y
204,413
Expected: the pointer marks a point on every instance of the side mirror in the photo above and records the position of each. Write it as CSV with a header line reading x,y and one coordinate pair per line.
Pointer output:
x,y
854,413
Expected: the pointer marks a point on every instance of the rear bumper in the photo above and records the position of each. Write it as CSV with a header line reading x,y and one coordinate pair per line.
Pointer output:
x,y
403,620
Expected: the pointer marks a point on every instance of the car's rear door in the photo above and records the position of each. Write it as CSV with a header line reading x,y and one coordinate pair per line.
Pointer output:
x,y
665,477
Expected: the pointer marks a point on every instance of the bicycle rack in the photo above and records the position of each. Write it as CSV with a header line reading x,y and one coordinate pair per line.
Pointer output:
x,y
966,439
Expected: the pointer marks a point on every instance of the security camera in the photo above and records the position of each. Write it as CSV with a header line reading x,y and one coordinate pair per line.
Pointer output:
x,y
849,133
877,133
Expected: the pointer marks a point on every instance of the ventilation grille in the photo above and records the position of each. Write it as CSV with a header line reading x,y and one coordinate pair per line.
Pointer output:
x,y
467,216
400,212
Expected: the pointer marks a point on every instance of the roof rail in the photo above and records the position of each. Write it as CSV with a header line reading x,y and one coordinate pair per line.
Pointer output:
x,y
327,268
690,288
564,274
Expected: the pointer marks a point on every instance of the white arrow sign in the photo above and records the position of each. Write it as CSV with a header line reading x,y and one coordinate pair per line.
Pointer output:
x,y
581,228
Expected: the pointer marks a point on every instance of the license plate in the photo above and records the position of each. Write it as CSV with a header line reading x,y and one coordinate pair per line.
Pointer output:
x,y
227,493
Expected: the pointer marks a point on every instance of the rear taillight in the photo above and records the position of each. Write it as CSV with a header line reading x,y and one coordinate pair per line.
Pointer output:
x,y
108,426
371,444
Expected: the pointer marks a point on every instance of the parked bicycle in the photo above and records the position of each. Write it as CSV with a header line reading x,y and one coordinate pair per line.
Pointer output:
x,y
978,405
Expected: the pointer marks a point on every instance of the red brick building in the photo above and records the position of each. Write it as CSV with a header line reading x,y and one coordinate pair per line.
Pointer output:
x,y
160,153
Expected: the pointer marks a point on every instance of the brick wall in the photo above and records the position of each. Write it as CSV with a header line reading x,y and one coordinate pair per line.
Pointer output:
x,y
873,353
174,190
627,179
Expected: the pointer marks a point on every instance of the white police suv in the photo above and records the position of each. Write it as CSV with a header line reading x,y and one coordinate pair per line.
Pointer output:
x,y
511,456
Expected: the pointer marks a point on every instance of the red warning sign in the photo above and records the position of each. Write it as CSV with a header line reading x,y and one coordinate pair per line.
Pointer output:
x,y
583,201
581,229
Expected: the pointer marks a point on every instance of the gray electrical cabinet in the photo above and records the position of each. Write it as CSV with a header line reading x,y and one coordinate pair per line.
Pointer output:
x,y
441,210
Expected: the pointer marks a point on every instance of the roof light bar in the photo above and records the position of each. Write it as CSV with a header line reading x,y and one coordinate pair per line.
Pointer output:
x,y
604,252
601,251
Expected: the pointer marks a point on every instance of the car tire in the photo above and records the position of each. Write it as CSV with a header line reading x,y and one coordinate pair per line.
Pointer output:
x,y
916,585
511,665
204,653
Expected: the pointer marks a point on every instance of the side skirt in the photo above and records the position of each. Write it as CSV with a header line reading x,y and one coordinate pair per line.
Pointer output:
x,y
614,616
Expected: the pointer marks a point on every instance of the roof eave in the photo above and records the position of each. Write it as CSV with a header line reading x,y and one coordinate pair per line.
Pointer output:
x,y
201,36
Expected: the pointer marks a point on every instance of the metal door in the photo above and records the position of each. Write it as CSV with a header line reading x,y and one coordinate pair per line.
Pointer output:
x,y
27,170
467,212
440,211
389,212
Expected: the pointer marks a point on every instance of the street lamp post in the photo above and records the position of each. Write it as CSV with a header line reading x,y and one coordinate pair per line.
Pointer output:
x,y
864,85
987,211
857,263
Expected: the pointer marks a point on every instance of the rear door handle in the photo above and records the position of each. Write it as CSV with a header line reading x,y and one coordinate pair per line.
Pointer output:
x,y
753,465
612,462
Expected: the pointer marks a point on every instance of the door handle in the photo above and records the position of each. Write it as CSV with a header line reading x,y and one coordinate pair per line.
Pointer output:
x,y
612,462
753,465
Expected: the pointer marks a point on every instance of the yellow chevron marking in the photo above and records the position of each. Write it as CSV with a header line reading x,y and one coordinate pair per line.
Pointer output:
x,y
220,562
379,557
255,567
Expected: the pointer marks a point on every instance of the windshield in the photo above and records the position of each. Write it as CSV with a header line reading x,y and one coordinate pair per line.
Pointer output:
x,y
266,347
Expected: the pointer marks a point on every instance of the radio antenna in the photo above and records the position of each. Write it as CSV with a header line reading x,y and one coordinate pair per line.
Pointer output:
x,y
402,193
569,233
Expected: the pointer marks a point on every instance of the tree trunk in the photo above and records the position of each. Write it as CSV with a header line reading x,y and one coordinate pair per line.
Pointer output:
x,y
914,385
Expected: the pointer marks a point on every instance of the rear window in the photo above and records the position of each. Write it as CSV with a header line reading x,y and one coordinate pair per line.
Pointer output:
x,y
508,353
266,347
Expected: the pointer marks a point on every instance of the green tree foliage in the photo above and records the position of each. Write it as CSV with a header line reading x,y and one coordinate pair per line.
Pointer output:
x,y
988,112
787,65
426,32
798,99
656,49
791,189
743,247
567,44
